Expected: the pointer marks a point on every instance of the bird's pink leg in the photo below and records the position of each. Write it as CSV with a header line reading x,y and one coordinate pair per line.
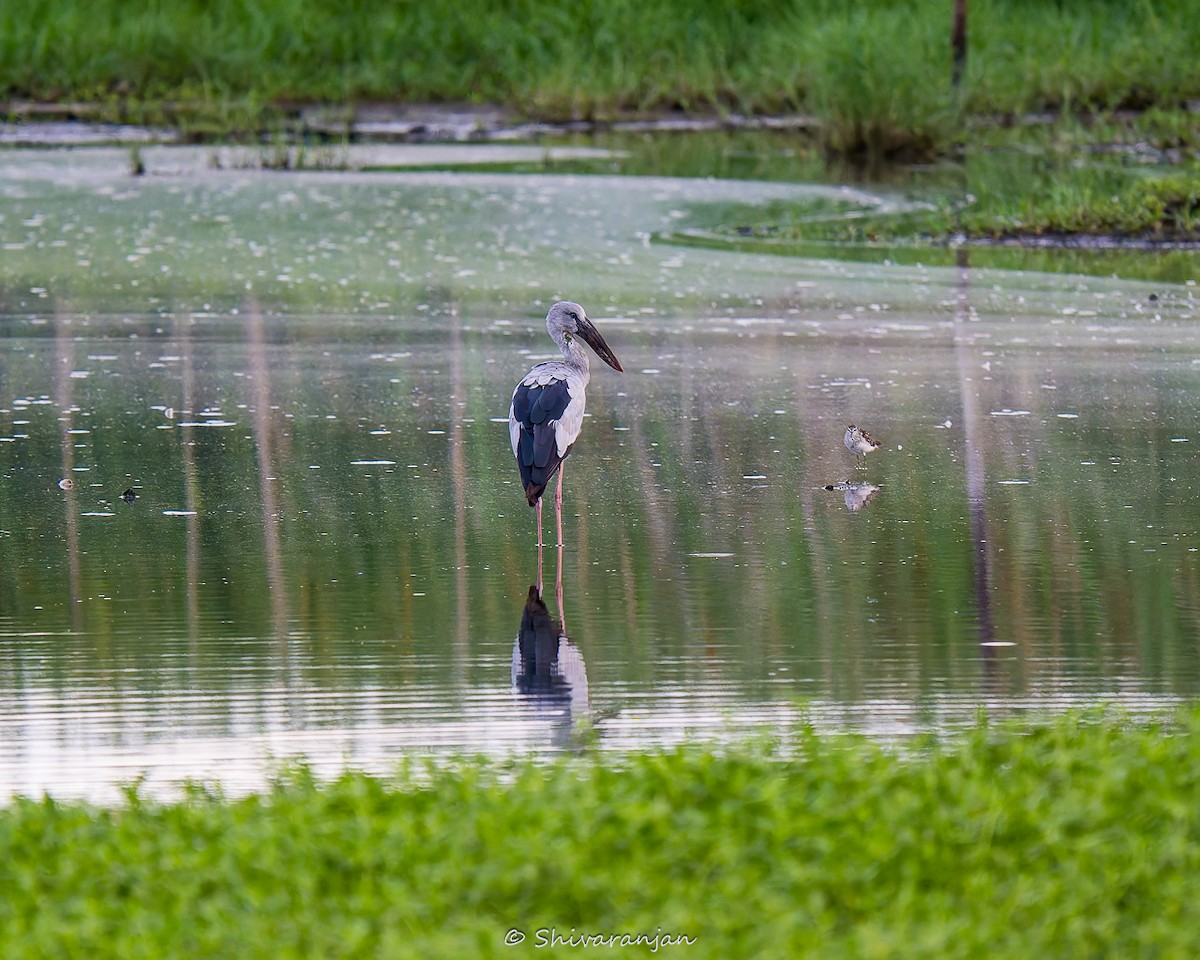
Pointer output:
x,y
539,546
558,505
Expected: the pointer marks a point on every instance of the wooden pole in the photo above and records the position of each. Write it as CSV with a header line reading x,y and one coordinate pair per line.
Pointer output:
x,y
958,42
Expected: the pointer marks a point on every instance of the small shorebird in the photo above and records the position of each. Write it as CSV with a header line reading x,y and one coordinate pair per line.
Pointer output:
x,y
859,443
546,414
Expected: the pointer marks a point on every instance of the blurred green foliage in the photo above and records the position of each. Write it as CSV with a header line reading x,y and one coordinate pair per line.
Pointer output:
x,y
1076,836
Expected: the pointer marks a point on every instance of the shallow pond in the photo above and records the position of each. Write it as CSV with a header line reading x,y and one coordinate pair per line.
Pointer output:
x,y
257,500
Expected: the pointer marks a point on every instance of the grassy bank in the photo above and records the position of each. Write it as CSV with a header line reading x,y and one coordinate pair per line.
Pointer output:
x,y
878,75
1076,838
1119,206
1126,184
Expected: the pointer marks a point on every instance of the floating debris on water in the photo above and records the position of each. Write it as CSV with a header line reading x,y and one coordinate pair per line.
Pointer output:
x,y
855,382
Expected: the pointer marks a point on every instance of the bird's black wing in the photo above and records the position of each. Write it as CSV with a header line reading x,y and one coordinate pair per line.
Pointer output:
x,y
536,408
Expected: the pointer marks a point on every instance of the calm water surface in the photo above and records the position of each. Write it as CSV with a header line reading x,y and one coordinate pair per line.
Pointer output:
x,y
324,552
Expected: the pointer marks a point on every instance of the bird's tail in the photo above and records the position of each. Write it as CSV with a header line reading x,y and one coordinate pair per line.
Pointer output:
x,y
536,479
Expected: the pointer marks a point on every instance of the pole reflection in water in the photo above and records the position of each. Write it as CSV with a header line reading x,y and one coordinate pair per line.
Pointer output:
x,y
547,668
972,419
458,473
268,470
64,356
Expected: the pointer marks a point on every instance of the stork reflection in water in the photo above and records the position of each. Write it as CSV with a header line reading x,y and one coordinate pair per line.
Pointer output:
x,y
546,414
547,667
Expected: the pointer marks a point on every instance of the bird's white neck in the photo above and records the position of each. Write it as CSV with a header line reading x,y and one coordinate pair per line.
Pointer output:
x,y
574,354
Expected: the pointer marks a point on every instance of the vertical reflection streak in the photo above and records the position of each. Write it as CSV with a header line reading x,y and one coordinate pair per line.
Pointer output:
x,y
976,474
458,475
191,499
64,353
260,374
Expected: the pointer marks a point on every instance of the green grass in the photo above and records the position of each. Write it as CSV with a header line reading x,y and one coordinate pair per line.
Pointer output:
x,y
1076,837
1152,209
875,74
1126,184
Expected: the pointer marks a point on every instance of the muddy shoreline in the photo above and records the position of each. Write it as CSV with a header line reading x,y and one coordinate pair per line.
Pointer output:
x,y
49,125
38,124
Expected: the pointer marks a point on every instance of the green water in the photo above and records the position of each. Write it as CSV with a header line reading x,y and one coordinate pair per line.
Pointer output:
x,y
304,378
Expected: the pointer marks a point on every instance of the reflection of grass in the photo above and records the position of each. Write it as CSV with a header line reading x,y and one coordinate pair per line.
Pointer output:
x,y
1010,842
1088,201
1056,194
1004,197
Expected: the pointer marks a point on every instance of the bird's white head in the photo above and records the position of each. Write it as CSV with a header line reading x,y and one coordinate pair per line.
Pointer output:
x,y
567,320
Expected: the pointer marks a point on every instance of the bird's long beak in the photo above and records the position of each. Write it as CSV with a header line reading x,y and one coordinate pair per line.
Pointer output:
x,y
591,336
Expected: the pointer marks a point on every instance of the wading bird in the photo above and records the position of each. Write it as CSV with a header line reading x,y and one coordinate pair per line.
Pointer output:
x,y
859,443
547,408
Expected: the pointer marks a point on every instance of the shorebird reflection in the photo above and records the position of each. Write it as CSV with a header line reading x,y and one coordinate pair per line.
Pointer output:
x,y
546,665
856,495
